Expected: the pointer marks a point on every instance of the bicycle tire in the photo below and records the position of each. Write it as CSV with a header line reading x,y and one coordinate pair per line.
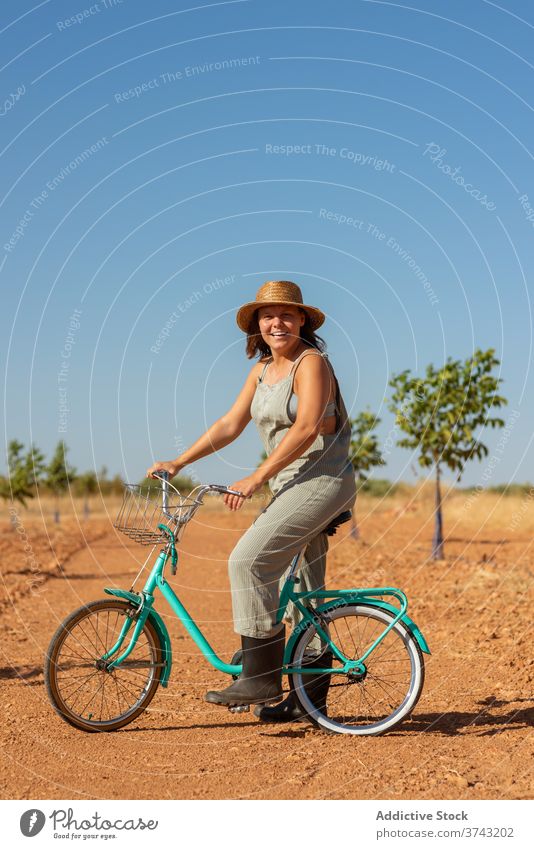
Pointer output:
x,y
52,668
325,720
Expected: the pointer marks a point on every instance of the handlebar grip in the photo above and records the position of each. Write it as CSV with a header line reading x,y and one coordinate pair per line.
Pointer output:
x,y
164,477
224,490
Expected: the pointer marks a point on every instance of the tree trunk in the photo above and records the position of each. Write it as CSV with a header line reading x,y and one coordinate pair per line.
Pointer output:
x,y
437,539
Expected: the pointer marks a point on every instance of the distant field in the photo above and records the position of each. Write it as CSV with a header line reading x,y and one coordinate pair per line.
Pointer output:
x,y
514,509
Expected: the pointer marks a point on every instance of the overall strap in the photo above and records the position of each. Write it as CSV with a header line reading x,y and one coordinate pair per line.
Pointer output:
x,y
291,374
303,354
337,396
343,422
260,378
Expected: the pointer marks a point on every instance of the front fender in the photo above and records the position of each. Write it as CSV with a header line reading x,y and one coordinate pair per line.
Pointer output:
x,y
159,625
373,602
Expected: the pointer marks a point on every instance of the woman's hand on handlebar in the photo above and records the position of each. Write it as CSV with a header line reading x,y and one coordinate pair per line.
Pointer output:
x,y
170,466
247,486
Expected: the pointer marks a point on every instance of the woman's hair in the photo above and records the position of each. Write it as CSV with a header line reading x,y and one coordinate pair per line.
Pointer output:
x,y
257,345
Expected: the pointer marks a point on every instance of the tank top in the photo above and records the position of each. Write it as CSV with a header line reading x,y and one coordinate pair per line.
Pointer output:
x,y
330,408
327,455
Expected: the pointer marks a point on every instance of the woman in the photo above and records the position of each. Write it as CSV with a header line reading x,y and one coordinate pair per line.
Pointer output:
x,y
294,399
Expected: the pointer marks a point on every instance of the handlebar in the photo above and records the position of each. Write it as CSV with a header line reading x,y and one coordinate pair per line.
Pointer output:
x,y
163,476
216,487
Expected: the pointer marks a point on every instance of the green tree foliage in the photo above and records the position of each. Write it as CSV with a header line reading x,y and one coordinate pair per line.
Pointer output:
x,y
86,485
364,452
514,489
109,486
59,474
35,466
439,414
25,472
183,483
378,487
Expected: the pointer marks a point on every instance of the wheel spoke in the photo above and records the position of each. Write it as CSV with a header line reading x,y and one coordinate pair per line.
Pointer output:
x,y
388,686
388,649
93,697
88,696
67,678
123,686
70,695
87,637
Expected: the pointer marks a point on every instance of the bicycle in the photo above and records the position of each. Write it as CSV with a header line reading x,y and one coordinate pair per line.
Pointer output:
x,y
100,677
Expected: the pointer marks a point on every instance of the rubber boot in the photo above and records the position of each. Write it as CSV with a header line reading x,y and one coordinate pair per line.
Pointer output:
x,y
316,687
260,681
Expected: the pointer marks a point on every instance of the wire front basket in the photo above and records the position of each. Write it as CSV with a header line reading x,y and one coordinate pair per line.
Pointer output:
x,y
144,507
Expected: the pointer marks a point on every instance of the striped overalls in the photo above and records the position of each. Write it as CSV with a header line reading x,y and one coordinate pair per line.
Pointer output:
x,y
307,495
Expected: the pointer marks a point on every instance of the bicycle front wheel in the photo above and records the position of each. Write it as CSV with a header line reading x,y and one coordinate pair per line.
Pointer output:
x,y
374,701
90,697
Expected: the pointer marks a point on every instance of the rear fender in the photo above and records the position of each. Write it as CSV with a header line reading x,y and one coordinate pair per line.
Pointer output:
x,y
372,602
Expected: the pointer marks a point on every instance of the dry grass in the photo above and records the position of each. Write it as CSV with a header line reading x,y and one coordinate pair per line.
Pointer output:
x,y
513,515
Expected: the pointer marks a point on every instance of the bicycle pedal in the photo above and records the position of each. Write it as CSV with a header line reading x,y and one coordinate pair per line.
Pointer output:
x,y
239,708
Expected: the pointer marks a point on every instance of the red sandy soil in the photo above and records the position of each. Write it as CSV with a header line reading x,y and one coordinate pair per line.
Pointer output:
x,y
470,737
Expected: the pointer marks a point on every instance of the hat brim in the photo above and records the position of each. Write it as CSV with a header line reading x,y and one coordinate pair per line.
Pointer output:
x,y
245,313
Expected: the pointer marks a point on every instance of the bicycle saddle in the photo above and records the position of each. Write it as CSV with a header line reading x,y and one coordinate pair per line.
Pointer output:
x,y
337,521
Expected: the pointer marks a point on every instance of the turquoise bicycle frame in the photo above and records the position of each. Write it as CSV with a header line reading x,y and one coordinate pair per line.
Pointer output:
x,y
144,602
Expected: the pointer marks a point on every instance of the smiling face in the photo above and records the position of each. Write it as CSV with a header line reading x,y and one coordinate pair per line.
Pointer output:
x,y
280,326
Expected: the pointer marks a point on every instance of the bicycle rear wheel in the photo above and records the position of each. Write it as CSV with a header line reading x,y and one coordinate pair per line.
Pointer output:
x,y
377,700
93,698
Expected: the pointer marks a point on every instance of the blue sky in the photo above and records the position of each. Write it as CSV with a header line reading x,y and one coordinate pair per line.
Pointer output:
x,y
160,162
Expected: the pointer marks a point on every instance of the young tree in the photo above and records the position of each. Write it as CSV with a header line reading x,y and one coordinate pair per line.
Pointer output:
x,y
16,486
116,485
439,414
24,473
59,474
103,482
35,464
86,485
364,452
183,483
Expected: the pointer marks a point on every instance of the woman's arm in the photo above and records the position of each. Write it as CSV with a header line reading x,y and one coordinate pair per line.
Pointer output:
x,y
314,383
221,432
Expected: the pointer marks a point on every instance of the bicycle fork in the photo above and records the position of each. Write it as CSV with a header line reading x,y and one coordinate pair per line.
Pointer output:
x,y
139,616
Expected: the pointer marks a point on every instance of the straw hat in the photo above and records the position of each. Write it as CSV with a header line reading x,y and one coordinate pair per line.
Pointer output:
x,y
277,292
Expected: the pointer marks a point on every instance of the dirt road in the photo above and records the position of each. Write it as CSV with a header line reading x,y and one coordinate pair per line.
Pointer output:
x,y
470,737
